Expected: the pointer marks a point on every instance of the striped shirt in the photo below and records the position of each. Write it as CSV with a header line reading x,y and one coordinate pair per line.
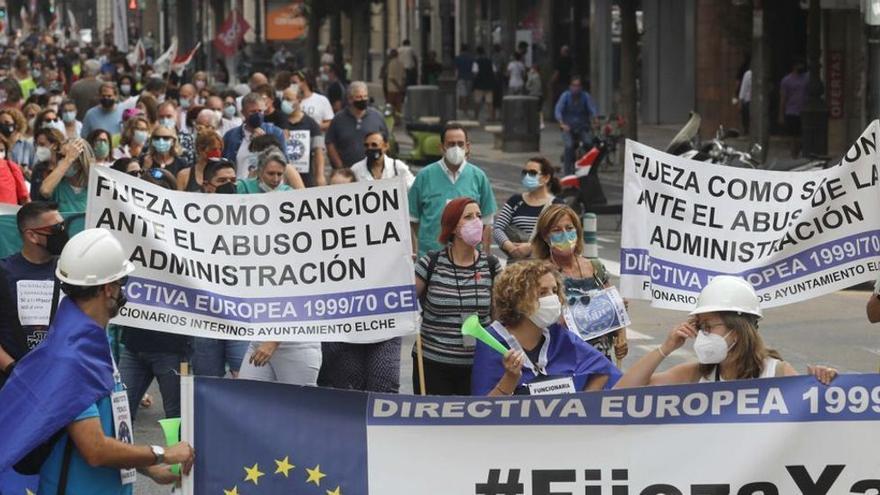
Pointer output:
x,y
452,294
517,213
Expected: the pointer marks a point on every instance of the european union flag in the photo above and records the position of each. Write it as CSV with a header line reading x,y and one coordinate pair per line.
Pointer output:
x,y
265,438
54,383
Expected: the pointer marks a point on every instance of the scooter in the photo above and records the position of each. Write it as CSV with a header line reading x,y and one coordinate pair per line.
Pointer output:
x,y
582,191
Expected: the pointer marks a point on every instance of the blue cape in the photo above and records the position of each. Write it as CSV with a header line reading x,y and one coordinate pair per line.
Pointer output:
x,y
54,383
567,355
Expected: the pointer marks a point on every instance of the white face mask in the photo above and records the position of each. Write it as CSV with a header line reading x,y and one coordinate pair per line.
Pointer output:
x,y
549,309
455,155
710,348
42,154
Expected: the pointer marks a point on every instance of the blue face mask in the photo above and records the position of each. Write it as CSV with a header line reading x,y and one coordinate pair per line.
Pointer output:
x,y
287,107
167,122
162,146
531,182
564,241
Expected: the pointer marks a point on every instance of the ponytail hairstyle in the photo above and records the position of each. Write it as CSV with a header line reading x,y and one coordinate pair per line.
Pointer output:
x,y
550,171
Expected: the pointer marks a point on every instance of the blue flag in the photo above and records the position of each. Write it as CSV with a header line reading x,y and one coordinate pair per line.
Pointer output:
x,y
54,383
279,440
567,355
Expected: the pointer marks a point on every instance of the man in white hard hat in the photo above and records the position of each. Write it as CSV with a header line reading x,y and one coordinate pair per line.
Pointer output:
x,y
69,388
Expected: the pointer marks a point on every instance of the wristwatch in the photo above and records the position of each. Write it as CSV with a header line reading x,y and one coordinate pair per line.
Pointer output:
x,y
159,452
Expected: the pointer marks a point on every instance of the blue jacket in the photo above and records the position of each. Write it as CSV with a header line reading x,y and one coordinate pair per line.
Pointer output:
x,y
575,116
233,138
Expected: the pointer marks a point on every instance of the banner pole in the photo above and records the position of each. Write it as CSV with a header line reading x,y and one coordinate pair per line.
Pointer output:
x,y
420,363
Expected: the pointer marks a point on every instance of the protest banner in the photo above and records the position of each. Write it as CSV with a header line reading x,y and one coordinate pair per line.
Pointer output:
x,y
322,264
749,437
793,235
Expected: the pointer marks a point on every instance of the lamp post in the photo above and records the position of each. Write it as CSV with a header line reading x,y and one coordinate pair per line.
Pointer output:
x,y
814,116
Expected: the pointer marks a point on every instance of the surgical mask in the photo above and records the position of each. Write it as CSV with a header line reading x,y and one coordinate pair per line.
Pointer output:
x,y
68,117
42,154
58,126
360,104
564,241
287,107
472,231
229,111
167,122
200,84
265,187
710,348
255,120
7,130
125,89
140,137
102,148
531,182
228,188
185,103
373,154
549,309
108,102
454,155
31,122
161,145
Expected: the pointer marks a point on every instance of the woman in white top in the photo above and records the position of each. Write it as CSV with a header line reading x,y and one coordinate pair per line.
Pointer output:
x,y
724,327
377,164
315,105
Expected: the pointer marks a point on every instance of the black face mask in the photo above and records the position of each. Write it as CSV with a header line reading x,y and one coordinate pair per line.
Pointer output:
x,y
373,154
7,130
360,104
119,301
228,188
56,240
107,102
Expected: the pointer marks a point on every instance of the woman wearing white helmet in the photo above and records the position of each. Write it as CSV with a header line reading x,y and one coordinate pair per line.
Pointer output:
x,y
724,327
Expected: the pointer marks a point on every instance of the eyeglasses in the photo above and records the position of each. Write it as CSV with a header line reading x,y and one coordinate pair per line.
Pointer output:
x,y
585,300
707,327
530,173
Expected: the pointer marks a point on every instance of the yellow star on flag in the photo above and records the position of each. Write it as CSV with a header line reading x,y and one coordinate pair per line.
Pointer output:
x,y
337,491
27,491
315,475
234,491
284,466
253,474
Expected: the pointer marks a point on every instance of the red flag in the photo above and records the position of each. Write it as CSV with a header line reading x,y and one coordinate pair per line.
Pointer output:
x,y
181,61
231,33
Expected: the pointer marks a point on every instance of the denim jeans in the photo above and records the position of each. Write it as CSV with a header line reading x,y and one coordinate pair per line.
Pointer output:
x,y
212,356
570,142
138,370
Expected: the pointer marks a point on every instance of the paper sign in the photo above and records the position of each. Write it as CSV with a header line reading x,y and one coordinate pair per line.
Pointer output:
x,y
34,301
553,386
124,431
299,145
603,314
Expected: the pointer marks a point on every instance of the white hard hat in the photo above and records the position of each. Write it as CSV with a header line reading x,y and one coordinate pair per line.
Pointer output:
x,y
728,293
92,257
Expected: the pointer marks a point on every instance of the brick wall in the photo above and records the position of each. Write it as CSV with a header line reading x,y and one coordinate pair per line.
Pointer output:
x,y
722,31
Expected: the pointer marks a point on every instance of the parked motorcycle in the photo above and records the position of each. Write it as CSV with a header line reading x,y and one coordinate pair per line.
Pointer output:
x,y
582,191
686,144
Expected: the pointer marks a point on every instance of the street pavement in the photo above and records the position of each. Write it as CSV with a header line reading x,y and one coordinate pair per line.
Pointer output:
x,y
831,330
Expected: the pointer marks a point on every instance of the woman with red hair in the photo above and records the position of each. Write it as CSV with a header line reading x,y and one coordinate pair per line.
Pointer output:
x,y
453,283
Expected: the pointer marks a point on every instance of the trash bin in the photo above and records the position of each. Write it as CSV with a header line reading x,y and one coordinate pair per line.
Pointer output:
x,y
519,116
421,101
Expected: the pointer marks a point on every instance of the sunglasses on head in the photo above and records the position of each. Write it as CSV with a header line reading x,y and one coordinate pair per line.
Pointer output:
x,y
585,300
530,173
